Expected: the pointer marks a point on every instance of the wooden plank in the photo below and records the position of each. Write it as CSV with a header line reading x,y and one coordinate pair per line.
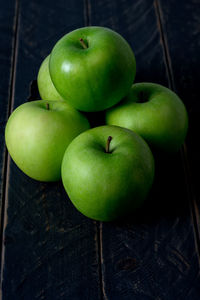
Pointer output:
x,y
152,256
184,71
143,39
50,250
8,22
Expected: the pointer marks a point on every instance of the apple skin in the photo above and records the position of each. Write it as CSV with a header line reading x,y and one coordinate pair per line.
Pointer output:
x,y
155,113
37,138
94,78
106,186
46,87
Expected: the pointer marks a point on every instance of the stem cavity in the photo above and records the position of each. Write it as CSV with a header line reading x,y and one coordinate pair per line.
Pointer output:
x,y
108,144
142,97
47,106
83,43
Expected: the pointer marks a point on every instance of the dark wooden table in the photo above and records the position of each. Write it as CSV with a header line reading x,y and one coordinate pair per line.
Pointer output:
x,y
48,249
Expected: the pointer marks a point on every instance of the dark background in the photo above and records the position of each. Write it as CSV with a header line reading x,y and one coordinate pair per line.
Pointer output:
x,y
48,249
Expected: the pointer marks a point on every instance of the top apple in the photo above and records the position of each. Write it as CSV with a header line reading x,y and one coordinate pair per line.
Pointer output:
x,y
92,67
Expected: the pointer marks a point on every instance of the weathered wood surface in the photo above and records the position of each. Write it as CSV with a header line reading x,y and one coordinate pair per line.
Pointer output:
x,y
182,32
150,257
51,251
7,54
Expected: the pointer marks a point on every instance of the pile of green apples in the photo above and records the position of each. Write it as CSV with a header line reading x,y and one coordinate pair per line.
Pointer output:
x,y
106,171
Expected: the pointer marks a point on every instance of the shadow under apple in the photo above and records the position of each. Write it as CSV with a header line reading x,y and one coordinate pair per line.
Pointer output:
x,y
168,196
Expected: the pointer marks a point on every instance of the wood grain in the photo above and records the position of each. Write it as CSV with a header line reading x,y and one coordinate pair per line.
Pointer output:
x,y
184,71
152,256
8,32
50,250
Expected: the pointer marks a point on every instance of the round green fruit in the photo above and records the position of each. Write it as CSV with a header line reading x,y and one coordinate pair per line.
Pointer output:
x,y
107,172
155,113
46,87
92,67
37,135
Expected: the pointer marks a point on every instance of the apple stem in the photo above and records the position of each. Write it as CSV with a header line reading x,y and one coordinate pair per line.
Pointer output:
x,y
47,106
108,144
83,43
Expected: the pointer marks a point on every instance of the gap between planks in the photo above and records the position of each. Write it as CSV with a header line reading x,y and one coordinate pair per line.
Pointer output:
x,y
184,157
87,14
190,190
6,156
98,225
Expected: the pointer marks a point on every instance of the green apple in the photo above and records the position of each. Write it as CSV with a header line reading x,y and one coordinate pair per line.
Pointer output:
x,y
92,67
107,172
155,113
46,87
37,135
